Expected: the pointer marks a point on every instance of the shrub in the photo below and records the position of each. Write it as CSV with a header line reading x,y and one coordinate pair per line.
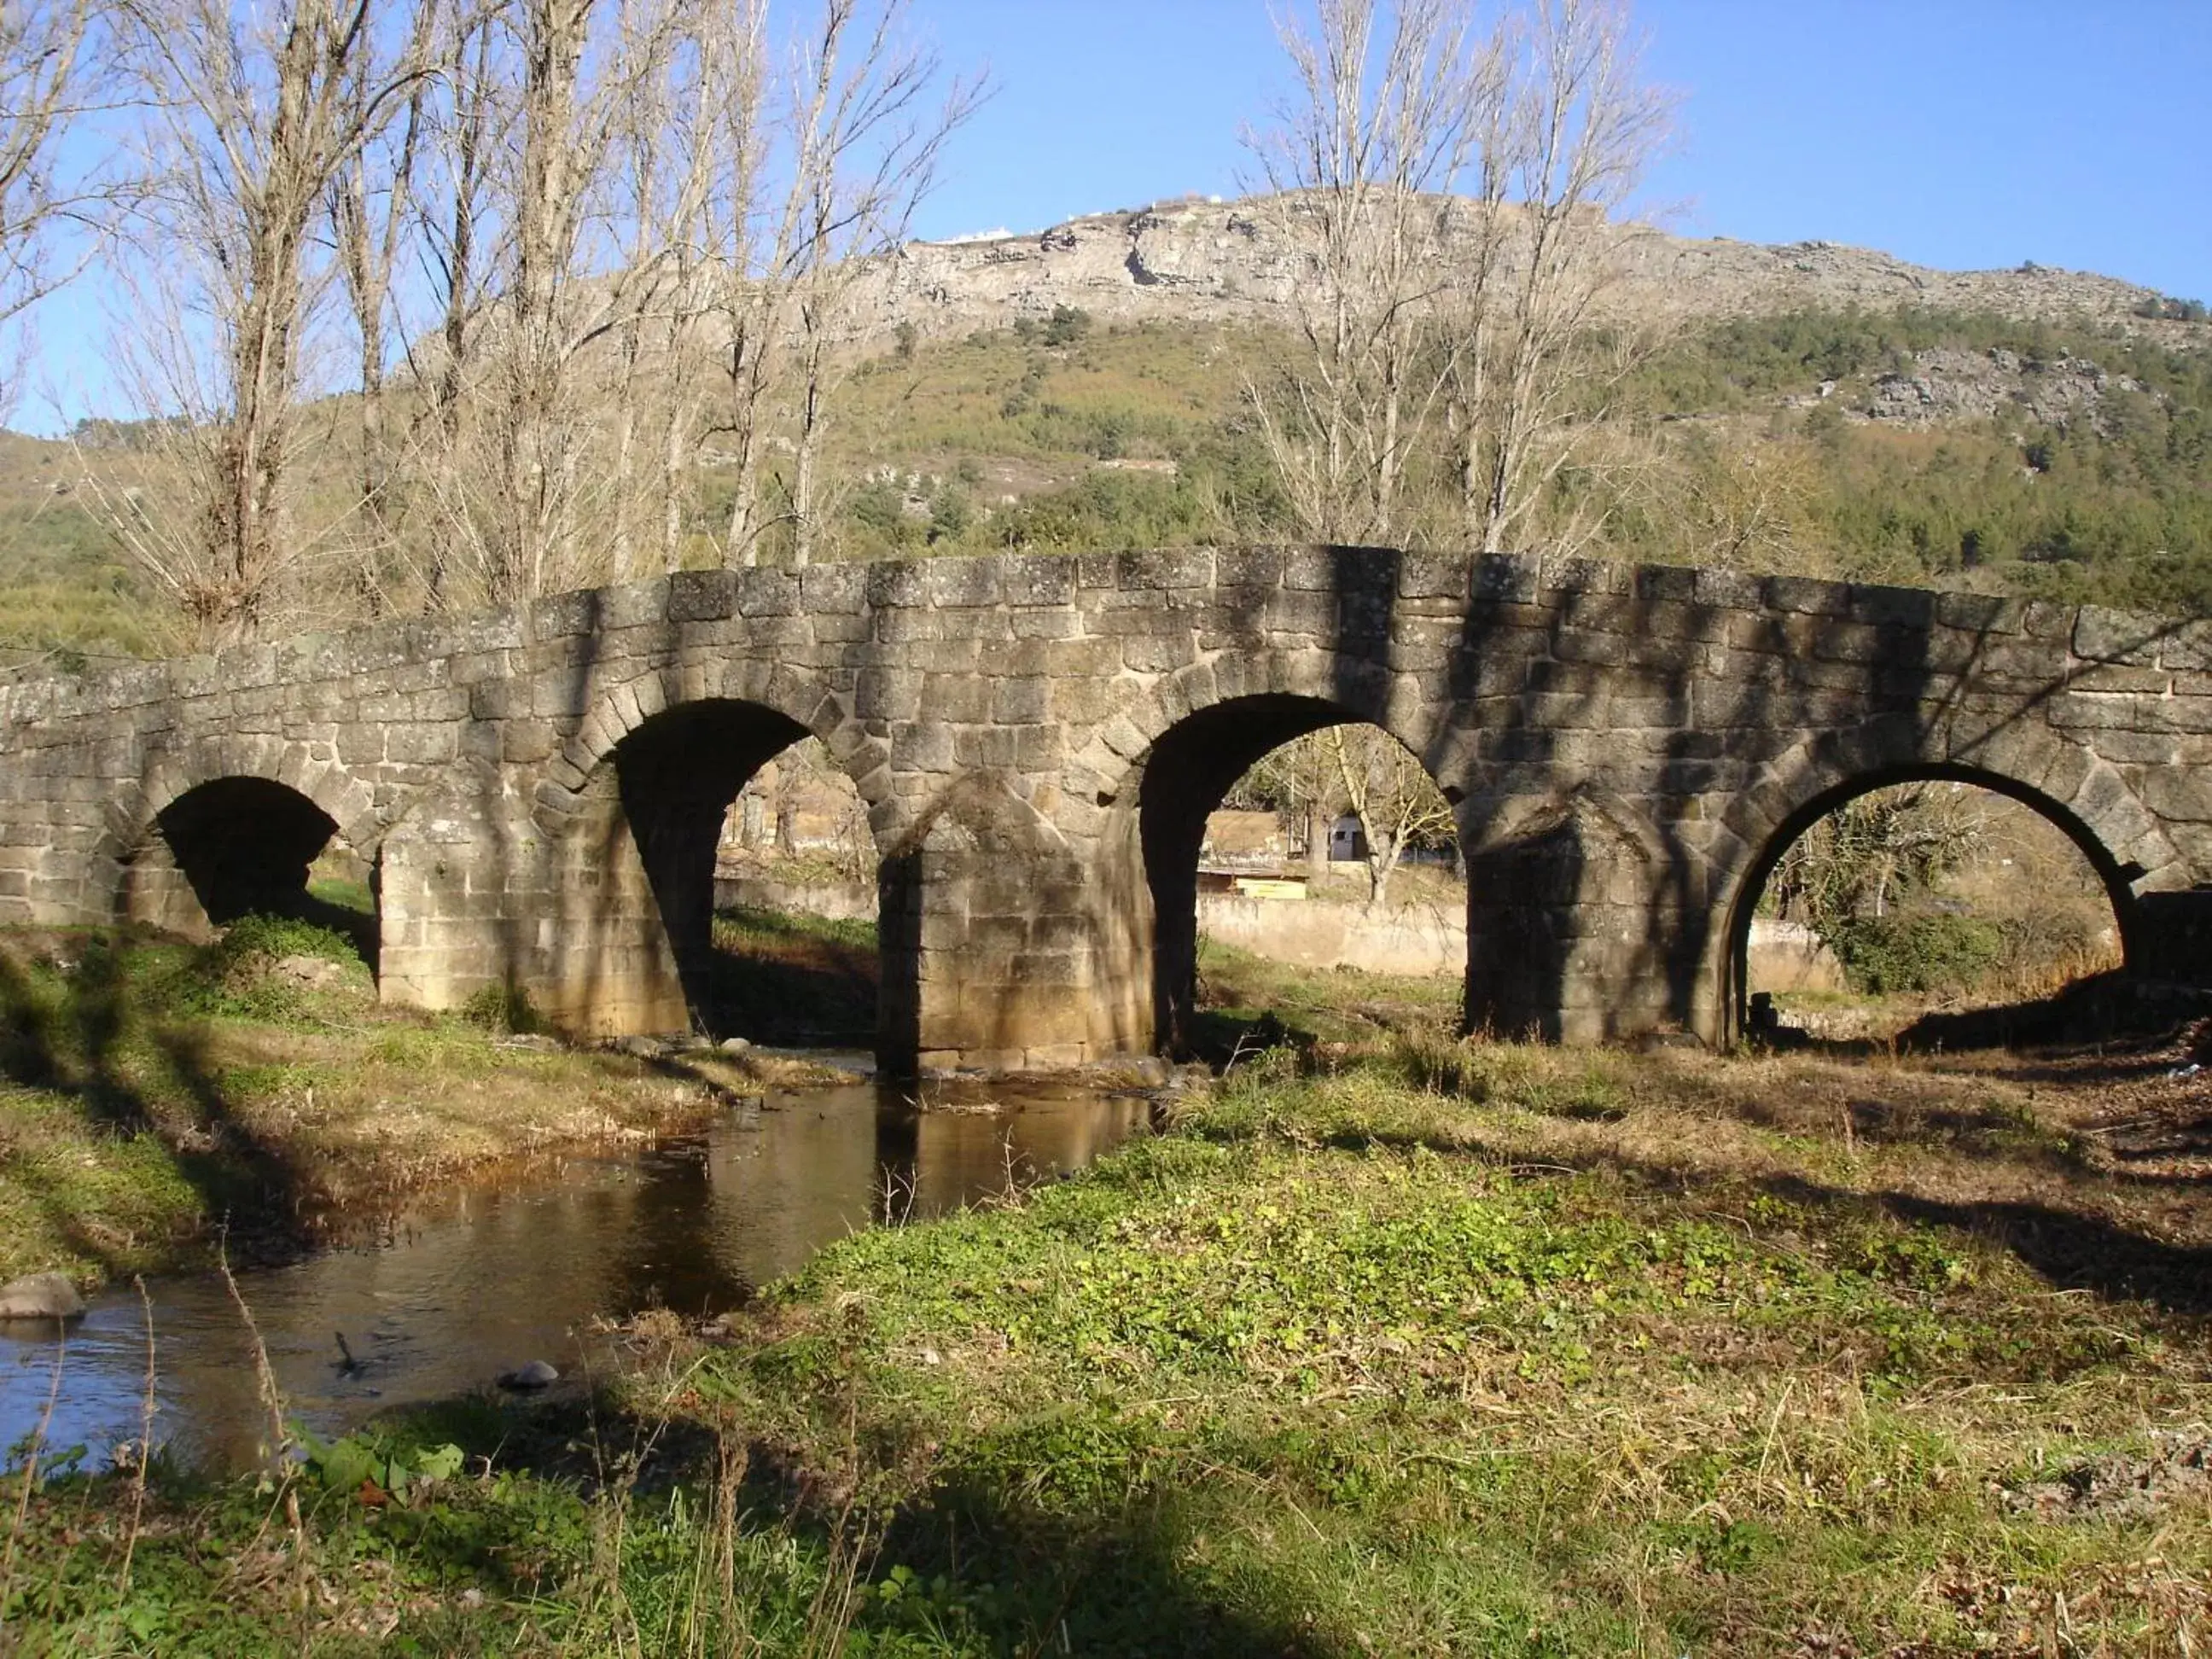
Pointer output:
x,y
255,937
1928,952
504,1011
1068,324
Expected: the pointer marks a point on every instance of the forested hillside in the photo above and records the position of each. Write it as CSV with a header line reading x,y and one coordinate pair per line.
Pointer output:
x,y
2073,462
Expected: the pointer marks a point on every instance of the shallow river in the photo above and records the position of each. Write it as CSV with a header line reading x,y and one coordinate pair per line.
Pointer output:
x,y
483,1279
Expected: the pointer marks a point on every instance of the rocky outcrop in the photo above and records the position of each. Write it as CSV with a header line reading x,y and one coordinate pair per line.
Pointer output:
x,y
1948,384
1203,260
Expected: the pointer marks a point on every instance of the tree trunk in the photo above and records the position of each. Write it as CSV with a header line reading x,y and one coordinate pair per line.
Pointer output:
x,y
1382,864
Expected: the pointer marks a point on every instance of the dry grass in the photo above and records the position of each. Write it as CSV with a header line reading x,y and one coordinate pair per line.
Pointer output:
x,y
1483,1348
1394,1344
142,1110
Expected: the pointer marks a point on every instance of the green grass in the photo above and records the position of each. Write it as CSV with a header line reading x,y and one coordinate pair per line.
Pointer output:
x,y
343,892
1440,1347
153,1092
786,978
1247,1003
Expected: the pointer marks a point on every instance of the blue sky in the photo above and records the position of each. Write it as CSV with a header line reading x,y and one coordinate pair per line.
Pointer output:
x,y
1955,133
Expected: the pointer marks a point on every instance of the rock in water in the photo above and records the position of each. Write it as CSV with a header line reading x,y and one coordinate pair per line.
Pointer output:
x,y
536,1375
40,1296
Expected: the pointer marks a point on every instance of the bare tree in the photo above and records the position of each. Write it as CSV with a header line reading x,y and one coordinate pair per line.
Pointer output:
x,y
1859,858
462,125
1397,803
1450,183
1357,167
534,501
372,213
1533,360
1361,769
1740,499
43,86
830,184
666,160
545,208
531,484
254,120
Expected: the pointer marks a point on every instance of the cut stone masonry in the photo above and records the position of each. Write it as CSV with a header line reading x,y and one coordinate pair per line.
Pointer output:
x,y
1038,740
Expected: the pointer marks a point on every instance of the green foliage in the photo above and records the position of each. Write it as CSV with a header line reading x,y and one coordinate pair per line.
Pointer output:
x,y
345,1465
270,938
951,513
1067,325
236,976
2116,509
878,506
504,1011
2166,308
1929,951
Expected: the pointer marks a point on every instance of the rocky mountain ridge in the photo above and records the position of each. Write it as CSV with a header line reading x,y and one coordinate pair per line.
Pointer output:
x,y
1204,260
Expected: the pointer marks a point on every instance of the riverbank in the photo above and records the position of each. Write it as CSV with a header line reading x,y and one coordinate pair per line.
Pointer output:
x,y
1410,1347
154,1094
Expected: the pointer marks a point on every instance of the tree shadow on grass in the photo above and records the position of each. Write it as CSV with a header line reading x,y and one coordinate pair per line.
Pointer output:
x,y
2071,1248
1222,1038
1123,1580
2106,1028
89,1037
789,981
2066,1236
1021,1579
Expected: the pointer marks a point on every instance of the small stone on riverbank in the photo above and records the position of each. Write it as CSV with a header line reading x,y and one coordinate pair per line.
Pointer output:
x,y
40,1296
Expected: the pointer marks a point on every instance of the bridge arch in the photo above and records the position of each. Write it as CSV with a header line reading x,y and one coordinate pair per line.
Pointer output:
x,y
2083,796
230,834
310,771
1113,762
796,699
1159,767
633,812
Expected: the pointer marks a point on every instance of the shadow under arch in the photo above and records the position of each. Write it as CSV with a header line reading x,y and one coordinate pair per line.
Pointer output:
x,y
1188,770
239,846
2116,879
674,777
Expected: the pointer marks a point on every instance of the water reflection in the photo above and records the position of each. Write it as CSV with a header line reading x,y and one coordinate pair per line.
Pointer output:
x,y
481,1279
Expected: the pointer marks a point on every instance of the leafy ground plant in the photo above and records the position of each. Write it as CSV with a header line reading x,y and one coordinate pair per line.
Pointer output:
x,y
1425,1348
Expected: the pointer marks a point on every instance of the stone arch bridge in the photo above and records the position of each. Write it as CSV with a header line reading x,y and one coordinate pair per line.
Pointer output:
x,y
1039,740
